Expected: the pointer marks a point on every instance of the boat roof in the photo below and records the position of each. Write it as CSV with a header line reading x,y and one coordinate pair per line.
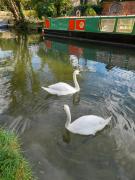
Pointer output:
x,y
94,16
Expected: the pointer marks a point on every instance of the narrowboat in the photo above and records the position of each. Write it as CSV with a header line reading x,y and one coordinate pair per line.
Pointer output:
x,y
105,29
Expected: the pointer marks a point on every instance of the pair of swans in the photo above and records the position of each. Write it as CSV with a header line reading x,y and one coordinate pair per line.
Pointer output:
x,y
85,125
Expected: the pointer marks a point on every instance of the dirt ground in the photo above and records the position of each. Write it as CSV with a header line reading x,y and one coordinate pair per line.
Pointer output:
x,y
6,16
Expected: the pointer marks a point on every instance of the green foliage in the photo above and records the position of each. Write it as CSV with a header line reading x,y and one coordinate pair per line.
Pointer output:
x,y
63,7
87,9
97,8
12,164
27,4
52,8
90,11
15,7
2,6
30,13
45,9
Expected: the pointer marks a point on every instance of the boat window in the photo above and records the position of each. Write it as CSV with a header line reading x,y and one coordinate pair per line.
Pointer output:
x,y
125,25
107,25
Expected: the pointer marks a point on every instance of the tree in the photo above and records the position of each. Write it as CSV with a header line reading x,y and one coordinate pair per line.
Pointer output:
x,y
63,7
15,7
27,4
52,7
44,7
2,7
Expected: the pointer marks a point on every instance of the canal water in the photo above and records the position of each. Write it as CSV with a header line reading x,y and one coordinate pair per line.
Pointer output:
x,y
107,83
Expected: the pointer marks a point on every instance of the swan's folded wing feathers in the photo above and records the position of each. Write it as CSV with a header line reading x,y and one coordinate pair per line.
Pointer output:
x,y
87,125
60,86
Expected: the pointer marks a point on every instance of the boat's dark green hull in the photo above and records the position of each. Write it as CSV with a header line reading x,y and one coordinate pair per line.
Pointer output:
x,y
127,40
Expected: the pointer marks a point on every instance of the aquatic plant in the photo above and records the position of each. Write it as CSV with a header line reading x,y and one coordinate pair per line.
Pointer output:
x,y
13,165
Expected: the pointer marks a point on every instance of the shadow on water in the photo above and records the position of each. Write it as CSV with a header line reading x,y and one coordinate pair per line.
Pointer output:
x,y
107,85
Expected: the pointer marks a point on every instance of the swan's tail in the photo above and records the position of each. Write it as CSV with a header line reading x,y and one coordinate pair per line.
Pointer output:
x,y
108,119
44,88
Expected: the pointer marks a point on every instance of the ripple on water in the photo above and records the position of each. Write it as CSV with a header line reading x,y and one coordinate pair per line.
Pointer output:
x,y
124,127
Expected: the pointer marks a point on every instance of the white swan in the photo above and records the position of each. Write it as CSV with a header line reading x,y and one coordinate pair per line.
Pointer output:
x,y
64,88
85,125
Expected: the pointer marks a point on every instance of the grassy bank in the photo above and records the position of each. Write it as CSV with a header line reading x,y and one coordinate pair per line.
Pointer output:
x,y
13,165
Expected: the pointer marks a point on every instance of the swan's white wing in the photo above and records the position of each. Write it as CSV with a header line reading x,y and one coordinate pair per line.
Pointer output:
x,y
61,87
86,125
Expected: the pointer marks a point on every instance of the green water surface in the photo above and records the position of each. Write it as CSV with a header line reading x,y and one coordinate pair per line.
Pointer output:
x,y
107,85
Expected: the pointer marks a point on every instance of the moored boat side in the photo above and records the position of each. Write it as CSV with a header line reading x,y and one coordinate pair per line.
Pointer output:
x,y
107,29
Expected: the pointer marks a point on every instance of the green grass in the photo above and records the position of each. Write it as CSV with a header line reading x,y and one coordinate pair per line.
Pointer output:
x,y
13,165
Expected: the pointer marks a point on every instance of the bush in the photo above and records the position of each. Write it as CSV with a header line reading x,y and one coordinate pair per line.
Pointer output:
x,y
30,13
90,12
12,164
97,8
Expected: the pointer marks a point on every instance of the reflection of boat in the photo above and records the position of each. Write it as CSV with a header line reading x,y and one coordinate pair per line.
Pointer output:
x,y
108,29
104,54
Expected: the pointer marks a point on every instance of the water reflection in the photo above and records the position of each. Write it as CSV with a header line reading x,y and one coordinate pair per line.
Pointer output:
x,y
107,87
76,98
112,57
66,136
22,82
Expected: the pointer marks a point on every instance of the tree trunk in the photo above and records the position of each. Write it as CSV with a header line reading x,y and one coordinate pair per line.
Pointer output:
x,y
58,9
14,6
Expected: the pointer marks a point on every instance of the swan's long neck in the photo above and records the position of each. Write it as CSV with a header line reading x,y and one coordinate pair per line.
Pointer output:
x,y
77,87
67,110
